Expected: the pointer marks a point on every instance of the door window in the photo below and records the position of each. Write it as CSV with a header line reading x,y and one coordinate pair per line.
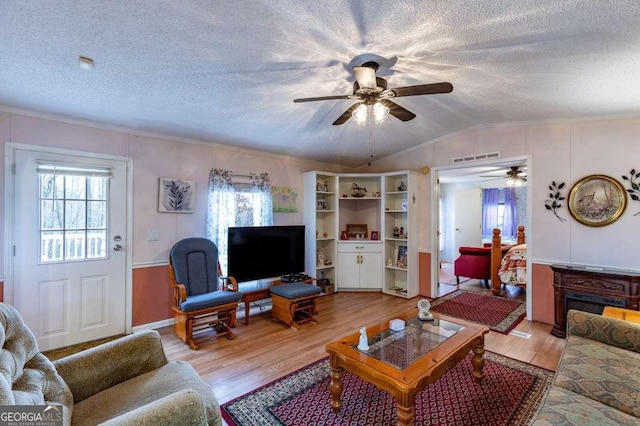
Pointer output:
x,y
73,213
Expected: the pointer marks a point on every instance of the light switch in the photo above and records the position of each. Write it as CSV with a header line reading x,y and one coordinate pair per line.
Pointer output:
x,y
153,235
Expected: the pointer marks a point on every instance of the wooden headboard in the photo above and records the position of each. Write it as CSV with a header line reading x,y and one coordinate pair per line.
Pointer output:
x,y
496,256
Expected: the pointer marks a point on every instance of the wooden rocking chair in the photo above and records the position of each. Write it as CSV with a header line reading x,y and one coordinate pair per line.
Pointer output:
x,y
205,302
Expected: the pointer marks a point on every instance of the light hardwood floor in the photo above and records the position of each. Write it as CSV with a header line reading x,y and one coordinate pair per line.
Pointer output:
x,y
265,349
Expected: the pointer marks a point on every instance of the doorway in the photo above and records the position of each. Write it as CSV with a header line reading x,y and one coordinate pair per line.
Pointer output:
x,y
458,189
68,220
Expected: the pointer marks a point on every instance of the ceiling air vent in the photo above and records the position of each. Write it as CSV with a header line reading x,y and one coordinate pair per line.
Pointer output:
x,y
479,157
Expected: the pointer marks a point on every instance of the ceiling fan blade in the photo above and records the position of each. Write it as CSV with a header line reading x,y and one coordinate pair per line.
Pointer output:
x,y
366,77
397,111
346,115
423,89
322,98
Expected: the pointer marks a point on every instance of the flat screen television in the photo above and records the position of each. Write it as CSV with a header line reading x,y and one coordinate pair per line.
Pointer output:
x,y
259,252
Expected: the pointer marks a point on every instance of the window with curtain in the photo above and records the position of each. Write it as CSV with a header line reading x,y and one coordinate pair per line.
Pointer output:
x,y
236,200
499,211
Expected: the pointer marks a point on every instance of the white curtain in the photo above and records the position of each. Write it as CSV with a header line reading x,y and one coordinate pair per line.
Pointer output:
x,y
236,201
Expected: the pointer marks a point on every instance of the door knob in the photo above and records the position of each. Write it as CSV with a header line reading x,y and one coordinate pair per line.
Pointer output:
x,y
117,238
117,247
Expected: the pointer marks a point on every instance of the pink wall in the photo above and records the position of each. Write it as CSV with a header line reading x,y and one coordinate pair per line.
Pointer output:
x,y
563,151
560,151
152,295
542,293
424,274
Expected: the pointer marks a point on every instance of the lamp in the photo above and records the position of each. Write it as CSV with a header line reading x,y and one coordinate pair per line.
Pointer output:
x,y
365,110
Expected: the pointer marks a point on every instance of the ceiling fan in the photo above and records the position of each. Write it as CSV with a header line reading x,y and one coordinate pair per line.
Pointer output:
x,y
515,176
372,90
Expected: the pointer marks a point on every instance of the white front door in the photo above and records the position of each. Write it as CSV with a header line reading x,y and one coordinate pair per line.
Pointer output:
x,y
70,267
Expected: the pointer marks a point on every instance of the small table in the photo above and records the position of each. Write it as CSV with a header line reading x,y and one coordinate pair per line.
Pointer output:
x,y
253,291
404,362
622,314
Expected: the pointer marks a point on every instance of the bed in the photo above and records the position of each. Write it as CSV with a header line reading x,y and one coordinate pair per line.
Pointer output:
x,y
510,268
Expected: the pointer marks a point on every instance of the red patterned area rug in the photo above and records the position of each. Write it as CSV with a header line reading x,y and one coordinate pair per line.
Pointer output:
x,y
509,394
497,313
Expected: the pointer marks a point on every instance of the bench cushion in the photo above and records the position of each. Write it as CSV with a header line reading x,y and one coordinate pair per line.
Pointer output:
x,y
208,300
295,290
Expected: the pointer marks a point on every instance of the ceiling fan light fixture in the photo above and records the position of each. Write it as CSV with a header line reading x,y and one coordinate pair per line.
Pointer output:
x,y
363,112
360,114
515,181
380,112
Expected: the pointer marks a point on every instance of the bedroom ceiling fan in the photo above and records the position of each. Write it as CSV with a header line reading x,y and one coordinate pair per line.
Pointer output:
x,y
374,96
515,176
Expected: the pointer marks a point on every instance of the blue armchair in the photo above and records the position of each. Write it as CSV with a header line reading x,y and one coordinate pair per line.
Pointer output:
x,y
205,302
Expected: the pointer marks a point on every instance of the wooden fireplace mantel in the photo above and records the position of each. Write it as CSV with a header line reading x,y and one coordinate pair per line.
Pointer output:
x,y
613,285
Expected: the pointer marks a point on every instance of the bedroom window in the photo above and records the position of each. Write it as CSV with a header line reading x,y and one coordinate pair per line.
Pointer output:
x,y
499,211
236,200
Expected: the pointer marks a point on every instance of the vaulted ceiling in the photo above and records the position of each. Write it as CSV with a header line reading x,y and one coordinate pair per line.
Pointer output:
x,y
227,71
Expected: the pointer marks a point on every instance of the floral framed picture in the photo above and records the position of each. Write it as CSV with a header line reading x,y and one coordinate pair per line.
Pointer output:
x,y
176,195
597,200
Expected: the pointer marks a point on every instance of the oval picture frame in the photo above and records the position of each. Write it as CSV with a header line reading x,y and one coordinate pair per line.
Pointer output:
x,y
597,200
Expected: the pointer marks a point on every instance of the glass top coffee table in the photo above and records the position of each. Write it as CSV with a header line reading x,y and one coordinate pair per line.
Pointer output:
x,y
404,362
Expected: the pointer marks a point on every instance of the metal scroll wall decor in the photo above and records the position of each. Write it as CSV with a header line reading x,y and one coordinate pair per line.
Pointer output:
x,y
555,198
634,185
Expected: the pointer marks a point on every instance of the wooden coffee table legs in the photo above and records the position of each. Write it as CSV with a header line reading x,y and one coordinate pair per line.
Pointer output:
x,y
405,400
336,388
478,360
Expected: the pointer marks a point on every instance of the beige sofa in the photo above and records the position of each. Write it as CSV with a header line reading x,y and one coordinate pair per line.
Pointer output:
x,y
598,377
125,382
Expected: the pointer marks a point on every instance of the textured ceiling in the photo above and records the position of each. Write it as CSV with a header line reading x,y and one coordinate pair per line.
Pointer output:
x,y
228,71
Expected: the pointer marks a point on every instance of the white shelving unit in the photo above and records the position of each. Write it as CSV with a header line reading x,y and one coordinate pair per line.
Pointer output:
x,y
320,218
337,203
400,238
359,257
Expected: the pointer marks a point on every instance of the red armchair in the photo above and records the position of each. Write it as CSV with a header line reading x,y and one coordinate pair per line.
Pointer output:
x,y
475,262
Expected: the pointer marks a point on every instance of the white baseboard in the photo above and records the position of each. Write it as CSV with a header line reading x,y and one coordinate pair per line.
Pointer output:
x,y
153,325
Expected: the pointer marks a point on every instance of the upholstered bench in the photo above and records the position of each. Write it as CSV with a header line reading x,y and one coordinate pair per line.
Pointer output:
x,y
295,303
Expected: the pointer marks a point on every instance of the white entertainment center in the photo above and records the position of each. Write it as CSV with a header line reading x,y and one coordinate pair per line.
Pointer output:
x,y
361,230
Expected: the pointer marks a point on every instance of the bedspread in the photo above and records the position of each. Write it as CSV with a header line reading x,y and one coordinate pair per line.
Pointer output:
x,y
513,269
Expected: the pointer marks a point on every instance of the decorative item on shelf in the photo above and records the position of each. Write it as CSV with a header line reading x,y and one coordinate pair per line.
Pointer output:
x,y
396,232
404,205
327,261
357,191
319,257
322,205
597,200
634,185
402,187
377,194
375,235
553,203
345,195
401,234
326,285
354,230
389,262
325,234
344,235
402,257
363,344
322,187
424,306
